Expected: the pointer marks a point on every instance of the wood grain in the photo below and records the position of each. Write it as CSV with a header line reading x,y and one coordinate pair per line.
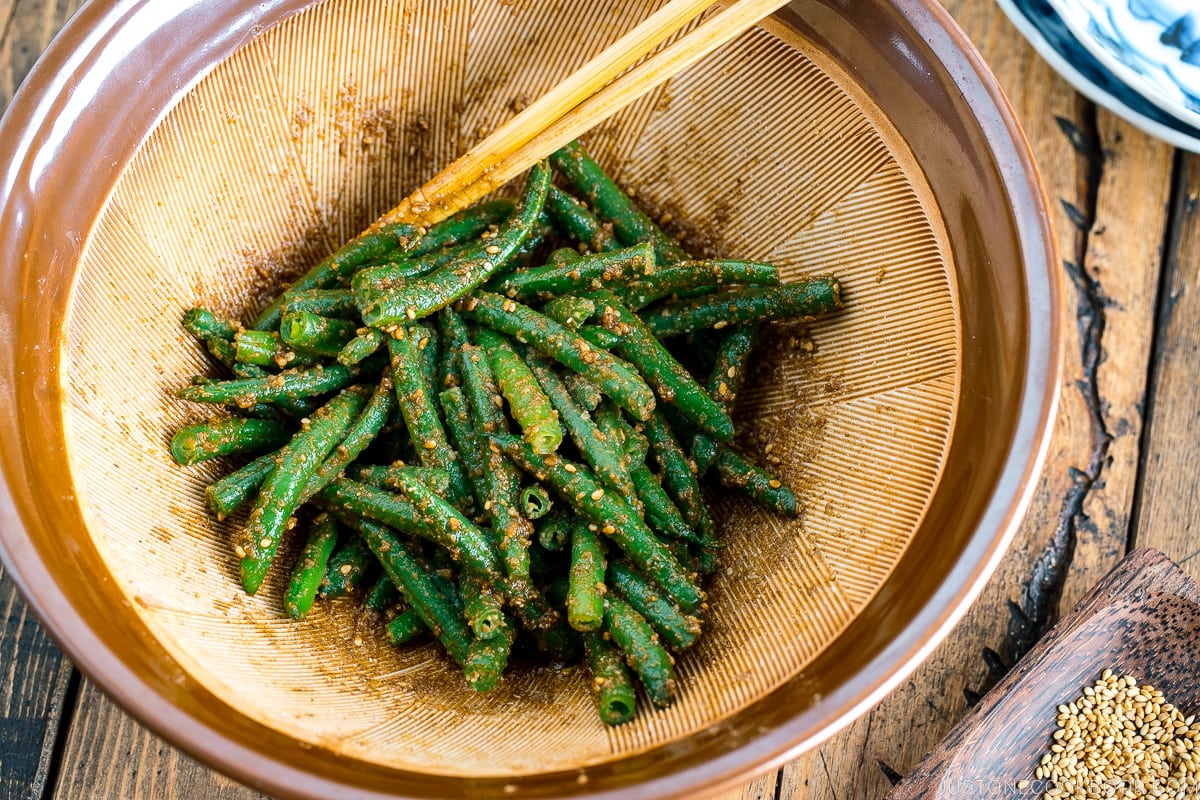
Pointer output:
x,y
1170,496
108,755
34,682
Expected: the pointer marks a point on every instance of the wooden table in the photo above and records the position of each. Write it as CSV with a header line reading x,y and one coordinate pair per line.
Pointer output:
x,y
1121,470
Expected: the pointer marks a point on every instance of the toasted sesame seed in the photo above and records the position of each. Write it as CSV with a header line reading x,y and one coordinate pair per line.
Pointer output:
x,y
1118,735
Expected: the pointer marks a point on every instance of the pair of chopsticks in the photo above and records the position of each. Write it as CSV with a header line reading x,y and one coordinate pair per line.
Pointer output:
x,y
584,99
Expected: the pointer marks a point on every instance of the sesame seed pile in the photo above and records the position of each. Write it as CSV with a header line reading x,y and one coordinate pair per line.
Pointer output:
x,y
1119,740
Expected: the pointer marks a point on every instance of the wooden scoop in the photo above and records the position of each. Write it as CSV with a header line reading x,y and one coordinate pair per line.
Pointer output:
x,y
1142,620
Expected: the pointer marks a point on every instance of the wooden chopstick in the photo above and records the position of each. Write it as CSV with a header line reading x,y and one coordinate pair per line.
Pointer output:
x,y
581,101
567,94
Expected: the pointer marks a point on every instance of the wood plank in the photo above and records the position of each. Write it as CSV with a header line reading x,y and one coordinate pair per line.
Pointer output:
x,y
1170,497
34,681
110,755
29,25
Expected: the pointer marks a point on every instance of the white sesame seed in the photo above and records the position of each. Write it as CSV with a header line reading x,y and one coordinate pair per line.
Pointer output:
x,y
1117,734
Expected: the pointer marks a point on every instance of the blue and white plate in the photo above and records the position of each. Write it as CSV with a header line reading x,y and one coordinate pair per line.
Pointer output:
x,y
1153,46
1054,42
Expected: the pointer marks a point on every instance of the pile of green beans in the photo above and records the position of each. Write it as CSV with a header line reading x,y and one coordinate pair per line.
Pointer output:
x,y
481,432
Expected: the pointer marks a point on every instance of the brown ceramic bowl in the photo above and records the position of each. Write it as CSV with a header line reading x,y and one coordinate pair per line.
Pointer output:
x,y
162,155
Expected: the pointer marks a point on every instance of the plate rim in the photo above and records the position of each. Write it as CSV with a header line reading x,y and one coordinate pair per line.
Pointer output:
x,y
1017,15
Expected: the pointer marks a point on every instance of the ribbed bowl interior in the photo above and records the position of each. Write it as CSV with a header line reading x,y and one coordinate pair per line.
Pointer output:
x,y
766,150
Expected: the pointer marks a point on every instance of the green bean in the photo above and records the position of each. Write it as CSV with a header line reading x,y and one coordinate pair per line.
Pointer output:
x,y
661,513
226,436
282,488
724,383
594,271
535,502
611,684
487,658
424,424
204,325
611,204
436,611
527,403
691,278
267,349
553,530
614,517
340,264
600,452
460,427
311,333
223,351
428,343
585,595
323,302
358,437
562,255
735,472
288,385
805,298
379,595
586,393
476,548
678,474
423,514
366,342
501,481
570,310
448,241
295,407
637,446
446,284
680,631
438,480
310,569
662,372
454,335
464,226
346,568
404,627
598,336
575,220
482,607
615,377
638,641
226,495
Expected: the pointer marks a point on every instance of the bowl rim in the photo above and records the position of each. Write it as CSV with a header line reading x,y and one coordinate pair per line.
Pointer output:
x,y
86,45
